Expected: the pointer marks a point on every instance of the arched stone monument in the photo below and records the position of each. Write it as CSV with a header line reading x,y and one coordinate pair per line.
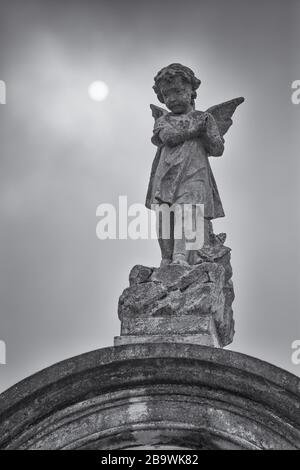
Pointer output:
x,y
167,383
163,395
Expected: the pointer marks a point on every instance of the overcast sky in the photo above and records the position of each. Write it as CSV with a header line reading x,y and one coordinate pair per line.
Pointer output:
x,y
63,154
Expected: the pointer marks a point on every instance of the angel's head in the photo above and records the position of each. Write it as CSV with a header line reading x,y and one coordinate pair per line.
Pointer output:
x,y
175,86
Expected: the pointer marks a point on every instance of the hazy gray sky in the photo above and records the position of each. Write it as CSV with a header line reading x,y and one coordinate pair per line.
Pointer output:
x,y
62,154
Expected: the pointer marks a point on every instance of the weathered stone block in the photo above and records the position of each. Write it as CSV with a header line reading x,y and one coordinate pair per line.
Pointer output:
x,y
161,395
179,301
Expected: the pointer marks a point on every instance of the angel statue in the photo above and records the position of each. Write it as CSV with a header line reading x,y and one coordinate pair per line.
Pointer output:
x,y
181,173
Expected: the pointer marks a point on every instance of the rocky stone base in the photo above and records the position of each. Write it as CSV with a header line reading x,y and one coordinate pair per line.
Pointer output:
x,y
179,303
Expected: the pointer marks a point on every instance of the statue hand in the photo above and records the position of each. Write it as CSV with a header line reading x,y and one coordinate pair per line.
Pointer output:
x,y
202,122
198,127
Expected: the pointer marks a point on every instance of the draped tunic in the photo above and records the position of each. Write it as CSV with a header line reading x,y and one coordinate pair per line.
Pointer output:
x,y
181,174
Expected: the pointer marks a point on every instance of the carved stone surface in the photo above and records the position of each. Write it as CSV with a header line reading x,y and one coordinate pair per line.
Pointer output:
x,y
180,303
181,173
154,395
188,299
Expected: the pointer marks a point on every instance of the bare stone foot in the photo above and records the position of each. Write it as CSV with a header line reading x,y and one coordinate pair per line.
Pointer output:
x,y
180,259
165,262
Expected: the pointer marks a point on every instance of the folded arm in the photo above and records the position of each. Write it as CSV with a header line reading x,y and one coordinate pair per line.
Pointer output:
x,y
168,135
206,129
172,137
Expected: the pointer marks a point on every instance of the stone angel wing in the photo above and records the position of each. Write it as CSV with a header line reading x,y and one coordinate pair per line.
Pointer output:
x,y
157,112
223,113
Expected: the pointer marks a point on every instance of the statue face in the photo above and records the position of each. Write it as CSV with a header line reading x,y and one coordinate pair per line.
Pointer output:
x,y
177,95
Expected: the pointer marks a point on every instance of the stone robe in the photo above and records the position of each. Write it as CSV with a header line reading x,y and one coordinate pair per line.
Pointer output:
x,y
182,174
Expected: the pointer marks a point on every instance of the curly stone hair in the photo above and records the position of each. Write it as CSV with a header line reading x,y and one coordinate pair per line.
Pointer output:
x,y
169,72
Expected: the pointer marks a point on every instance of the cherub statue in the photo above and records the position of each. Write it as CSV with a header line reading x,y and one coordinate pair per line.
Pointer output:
x,y
181,173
